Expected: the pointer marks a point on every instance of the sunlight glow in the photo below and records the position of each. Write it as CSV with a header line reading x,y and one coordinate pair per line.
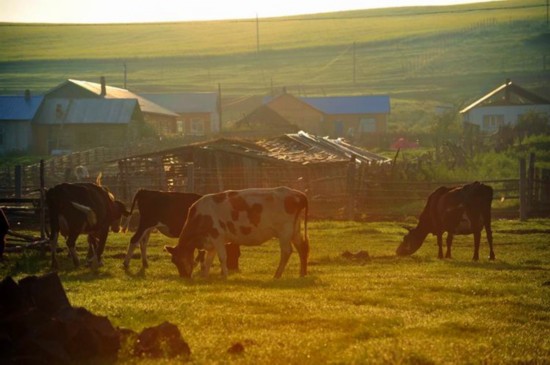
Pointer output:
x,y
132,11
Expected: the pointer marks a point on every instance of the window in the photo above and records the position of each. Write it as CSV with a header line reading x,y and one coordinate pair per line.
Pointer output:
x,y
492,122
367,125
197,127
179,126
1,136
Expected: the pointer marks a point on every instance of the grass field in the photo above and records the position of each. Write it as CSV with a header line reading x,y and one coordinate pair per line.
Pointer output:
x,y
417,310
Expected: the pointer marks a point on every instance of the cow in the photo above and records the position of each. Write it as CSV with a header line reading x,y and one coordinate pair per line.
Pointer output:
x,y
4,228
456,210
166,211
247,217
82,208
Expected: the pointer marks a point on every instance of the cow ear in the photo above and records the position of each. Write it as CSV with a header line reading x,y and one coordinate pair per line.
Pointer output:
x,y
170,250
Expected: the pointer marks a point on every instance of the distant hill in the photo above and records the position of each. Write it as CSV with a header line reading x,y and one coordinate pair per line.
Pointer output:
x,y
420,56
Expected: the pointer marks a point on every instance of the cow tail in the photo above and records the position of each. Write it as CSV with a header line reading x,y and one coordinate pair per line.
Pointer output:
x,y
127,223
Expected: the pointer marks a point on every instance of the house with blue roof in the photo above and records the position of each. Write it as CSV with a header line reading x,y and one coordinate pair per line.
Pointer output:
x,y
16,115
355,117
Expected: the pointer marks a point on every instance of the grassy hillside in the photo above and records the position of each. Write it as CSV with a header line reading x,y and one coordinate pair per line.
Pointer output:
x,y
426,55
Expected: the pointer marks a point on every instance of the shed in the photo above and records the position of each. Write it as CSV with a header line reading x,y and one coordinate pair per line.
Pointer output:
x,y
298,160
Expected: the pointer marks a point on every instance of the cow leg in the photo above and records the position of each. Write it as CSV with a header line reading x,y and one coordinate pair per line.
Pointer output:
x,y
487,223
477,239
222,256
286,251
143,239
102,239
71,241
53,248
440,245
449,242
92,252
143,249
207,263
302,246
233,254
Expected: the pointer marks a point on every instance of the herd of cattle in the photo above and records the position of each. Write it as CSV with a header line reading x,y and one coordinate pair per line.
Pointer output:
x,y
218,224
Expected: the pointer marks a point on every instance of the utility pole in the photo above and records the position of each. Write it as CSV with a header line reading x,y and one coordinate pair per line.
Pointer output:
x,y
257,34
354,63
124,74
220,106
547,13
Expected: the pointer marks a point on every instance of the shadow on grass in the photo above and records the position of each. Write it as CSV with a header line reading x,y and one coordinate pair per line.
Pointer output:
x,y
495,265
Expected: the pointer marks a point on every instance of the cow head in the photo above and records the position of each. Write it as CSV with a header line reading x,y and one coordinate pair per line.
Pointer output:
x,y
118,211
410,244
183,259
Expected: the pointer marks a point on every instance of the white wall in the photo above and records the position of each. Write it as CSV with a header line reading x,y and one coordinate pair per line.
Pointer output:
x,y
511,113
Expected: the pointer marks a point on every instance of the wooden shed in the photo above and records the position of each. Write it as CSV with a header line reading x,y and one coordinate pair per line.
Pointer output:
x,y
300,160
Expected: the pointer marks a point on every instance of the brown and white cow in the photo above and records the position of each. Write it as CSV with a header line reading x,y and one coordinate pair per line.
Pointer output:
x,y
82,208
167,212
247,217
456,210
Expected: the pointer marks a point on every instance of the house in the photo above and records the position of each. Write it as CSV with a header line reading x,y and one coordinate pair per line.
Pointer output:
x,y
63,124
337,116
264,121
16,115
162,120
198,113
503,106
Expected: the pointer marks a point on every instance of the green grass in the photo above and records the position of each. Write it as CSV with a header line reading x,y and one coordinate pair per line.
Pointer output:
x,y
384,310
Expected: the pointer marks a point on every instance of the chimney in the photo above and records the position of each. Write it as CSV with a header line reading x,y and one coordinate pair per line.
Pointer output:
x,y
27,95
103,87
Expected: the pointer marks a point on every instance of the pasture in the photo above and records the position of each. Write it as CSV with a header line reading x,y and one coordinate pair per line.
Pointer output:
x,y
413,310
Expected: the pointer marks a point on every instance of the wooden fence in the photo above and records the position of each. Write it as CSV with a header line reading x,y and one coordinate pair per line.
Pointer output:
x,y
360,192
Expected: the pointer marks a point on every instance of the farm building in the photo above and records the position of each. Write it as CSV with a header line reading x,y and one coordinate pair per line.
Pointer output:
x,y
160,119
63,124
503,106
16,115
355,117
266,122
300,160
198,113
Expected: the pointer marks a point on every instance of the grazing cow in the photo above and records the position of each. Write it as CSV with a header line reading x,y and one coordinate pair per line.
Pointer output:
x,y
247,217
4,228
166,211
457,210
82,208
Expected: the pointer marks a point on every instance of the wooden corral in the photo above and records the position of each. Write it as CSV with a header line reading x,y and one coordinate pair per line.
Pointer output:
x,y
317,166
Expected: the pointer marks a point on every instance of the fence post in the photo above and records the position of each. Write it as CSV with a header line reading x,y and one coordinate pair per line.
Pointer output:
x,y
531,183
42,208
351,188
190,186
18,182
522,190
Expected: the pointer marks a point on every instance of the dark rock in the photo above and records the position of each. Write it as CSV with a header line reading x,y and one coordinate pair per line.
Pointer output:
x,y
163,340
236,348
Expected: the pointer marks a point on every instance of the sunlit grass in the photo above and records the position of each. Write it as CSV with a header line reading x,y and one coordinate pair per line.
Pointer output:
x,y
381,310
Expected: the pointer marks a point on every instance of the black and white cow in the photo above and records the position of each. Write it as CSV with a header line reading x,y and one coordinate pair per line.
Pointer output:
x,y
247,217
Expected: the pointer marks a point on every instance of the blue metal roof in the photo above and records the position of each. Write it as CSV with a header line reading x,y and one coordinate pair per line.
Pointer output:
x,y
365,104
14,107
